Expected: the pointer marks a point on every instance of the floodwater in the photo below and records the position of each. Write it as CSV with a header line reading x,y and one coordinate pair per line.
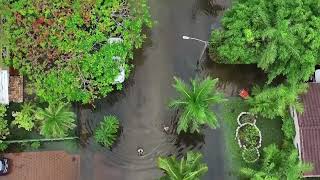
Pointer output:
x,y
142,105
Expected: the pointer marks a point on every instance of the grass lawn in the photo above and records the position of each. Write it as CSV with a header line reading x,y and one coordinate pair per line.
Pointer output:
x,y
270,130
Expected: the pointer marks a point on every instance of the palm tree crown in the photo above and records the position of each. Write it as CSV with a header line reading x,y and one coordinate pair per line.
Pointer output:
x,y
195,102
189,168
57,120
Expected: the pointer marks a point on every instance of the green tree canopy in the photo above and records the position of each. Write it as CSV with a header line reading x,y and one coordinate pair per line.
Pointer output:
x,y
195,103
63,46
56,120
282,37
275,101
277,165
188,168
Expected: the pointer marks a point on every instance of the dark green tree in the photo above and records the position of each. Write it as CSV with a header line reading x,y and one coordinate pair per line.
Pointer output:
x,y
56,120
195,103
282,37
188,168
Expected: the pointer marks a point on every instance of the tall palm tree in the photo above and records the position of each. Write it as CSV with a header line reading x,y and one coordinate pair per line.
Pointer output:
x,y
56,119
195,102
189,168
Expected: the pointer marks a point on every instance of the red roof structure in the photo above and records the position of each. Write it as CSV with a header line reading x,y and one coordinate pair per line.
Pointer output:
x,y
49,165
309,128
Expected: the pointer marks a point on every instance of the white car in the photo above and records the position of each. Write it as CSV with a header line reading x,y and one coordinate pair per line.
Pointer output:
x,y
121,77
4,166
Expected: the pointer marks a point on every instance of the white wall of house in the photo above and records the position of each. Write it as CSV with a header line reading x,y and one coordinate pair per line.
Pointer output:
x,y
4,87
296,140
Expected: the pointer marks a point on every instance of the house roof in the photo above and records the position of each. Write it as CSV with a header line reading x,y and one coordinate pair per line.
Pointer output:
x,y
309,128
49,165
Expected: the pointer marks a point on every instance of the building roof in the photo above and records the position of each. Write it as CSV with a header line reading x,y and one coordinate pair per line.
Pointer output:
x,y
309,128
49,165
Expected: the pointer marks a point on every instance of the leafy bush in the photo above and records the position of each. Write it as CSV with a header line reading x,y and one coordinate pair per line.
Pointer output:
x,y
281,37
31,146
56,120
25,118
278,164
63,47
4,130
189,167
3,146
275,101
195,103
107,132
250,155
288,128
249,136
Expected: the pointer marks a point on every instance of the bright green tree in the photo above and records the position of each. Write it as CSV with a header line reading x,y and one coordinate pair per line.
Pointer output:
x,y
282,37
275,101
25,118
277,165
64,46
190,167
195,103
107,132
56,120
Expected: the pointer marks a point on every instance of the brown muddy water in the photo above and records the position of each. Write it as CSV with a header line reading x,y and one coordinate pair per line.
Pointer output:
x,y
142,105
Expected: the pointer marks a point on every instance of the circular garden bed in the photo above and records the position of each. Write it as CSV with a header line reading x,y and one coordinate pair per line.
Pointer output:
x,y
249,137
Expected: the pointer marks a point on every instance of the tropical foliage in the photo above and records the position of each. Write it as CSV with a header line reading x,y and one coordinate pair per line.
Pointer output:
x,y
275,101
282,37
107,131
64,47
288,128
4,130
195,103
56,120
278,164
188,168
25,118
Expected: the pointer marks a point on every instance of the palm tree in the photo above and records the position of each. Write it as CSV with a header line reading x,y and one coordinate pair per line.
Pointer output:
x,y
189,168
56,119
195,102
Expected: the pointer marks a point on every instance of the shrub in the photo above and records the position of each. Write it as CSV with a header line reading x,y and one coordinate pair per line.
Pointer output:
x,y
288,128
250,155
25,118
107,132
4,130
275,101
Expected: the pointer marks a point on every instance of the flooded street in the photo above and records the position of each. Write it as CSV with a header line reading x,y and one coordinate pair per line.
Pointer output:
x,y
142,105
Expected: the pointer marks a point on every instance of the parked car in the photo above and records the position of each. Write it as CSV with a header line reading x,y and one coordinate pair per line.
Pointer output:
x,y
4,166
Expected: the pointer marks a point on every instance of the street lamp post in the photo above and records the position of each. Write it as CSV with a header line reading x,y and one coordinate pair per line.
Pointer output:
x,y
199,40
